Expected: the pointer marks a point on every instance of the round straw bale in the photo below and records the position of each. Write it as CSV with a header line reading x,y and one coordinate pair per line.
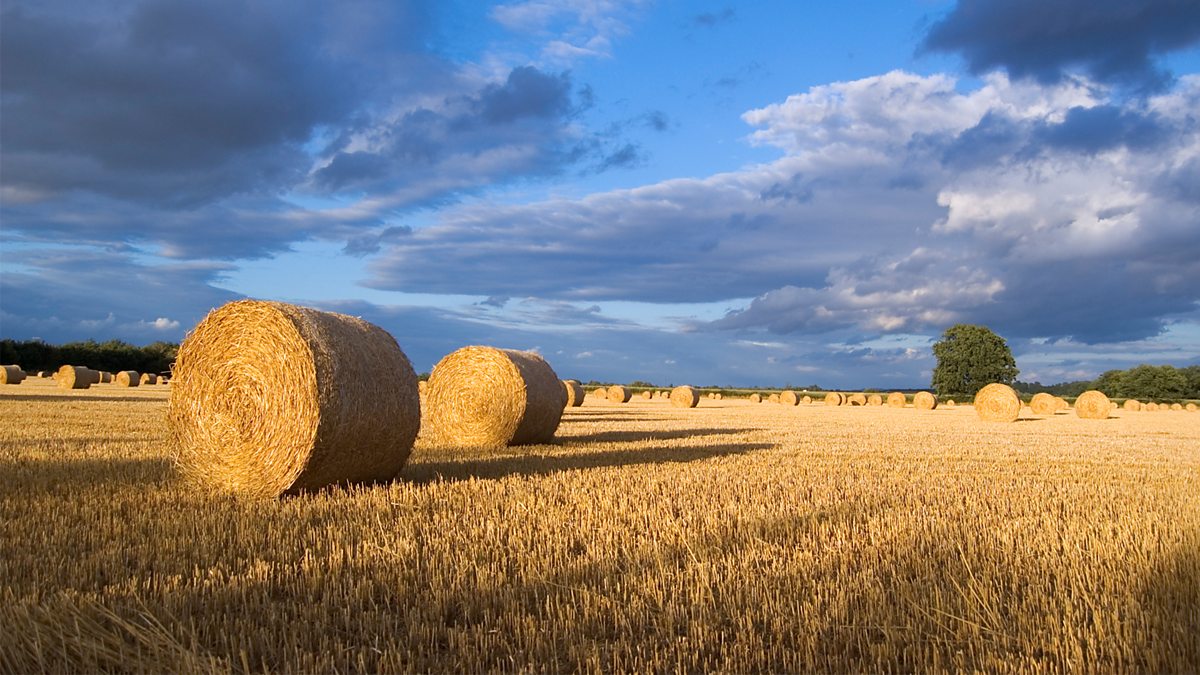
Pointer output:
x,y
1150,407
1043,404
127,378
43,373
755,398
896,400
997,402
718,395
574,393
856,399
789,397
1092,405
647,395
1176,406
149,378
11,374
923,400
684,397
1062,403
1132,404
105,377
77,377
1191,407
600,393
773,398
488,397
619,393
950,403
270,398
874,399
835,398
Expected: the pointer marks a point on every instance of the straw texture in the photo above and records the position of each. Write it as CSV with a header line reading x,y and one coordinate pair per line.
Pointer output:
x,y
789,397
1191,407
490,398
127,378
149,378
684,397
1043,404
1132,404
998,402
270,398
874,399
806,399
923,400
619,393
600,393
574,393
755,398
773,398
77,377
1092,405
647,395
856,399
11,375
835,398
896,400
950,403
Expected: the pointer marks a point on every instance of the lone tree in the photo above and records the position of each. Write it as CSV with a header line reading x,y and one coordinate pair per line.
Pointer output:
x,y
969,357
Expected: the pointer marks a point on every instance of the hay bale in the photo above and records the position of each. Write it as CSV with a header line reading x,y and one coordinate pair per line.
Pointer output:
x,y
950,403
773,398
1176,406
755,398
1132,404
77,377
127,378
1043,404
923,400
1092,405
574,393
1150,407
789,397
856,399
106,377
684,397
997,402
897,400
718,395
270,398
422,386
149,378
491,398
619,394
874,399
806,399
647,395
835,398
11,375
1191,407
600,393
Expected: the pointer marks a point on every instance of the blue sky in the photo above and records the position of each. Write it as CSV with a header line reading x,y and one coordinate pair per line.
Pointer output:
x,y
714,193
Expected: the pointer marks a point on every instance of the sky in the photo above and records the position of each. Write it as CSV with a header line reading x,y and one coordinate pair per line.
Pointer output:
x,y
748,194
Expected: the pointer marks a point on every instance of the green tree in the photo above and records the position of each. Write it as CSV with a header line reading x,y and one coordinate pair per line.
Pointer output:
x,y
969,357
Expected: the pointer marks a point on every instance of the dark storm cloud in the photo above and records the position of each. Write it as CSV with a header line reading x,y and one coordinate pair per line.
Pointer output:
x,y
1113,41
1103,127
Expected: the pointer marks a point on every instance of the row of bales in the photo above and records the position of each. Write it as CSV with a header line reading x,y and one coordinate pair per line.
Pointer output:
x,y
81,377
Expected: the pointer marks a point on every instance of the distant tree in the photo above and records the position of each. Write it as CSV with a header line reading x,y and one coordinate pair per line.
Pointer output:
x,y
1144,382
969,357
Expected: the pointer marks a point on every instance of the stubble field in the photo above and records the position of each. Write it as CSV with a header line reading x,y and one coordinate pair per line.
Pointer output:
x,y
734,537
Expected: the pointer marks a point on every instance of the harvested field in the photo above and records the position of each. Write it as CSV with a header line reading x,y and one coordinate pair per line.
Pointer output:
x,y
727,537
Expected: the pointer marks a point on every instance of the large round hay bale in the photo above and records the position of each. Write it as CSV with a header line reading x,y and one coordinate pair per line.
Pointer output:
x,y
11,375
270,398
647,395
997,402
874,399
77,377
127,378
835,398
856,399
149,378
1043,404
897,400
1092,405
684,397
490,398
1176,406
806,399
923,400
755,398
773,398
619,393
1191,407
1150,407
106,377
1132,404
574,393
600,393
789,397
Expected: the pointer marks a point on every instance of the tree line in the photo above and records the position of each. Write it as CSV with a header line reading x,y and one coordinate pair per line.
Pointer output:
x,y
1144,382
112,356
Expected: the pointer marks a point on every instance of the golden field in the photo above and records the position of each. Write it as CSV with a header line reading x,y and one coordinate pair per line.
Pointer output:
x,y
731,537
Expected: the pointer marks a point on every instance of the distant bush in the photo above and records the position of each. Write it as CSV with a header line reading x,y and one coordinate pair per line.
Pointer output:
x,y
113,355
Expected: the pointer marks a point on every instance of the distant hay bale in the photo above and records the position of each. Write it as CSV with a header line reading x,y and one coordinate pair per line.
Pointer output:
x,y
1092,405
11,375
422,386
684,397
789,397
270,398
896,400
574,393
1191,407
923,400
950,403
600,393
1150,407
647,395
1132,404
835,398
709,395
856,399
874,399
43,373
773,398
717,395
755,398
619,393
1176,406
491,398
997,402
77,377
149,378
127,378
806,399
106,377
1043,404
